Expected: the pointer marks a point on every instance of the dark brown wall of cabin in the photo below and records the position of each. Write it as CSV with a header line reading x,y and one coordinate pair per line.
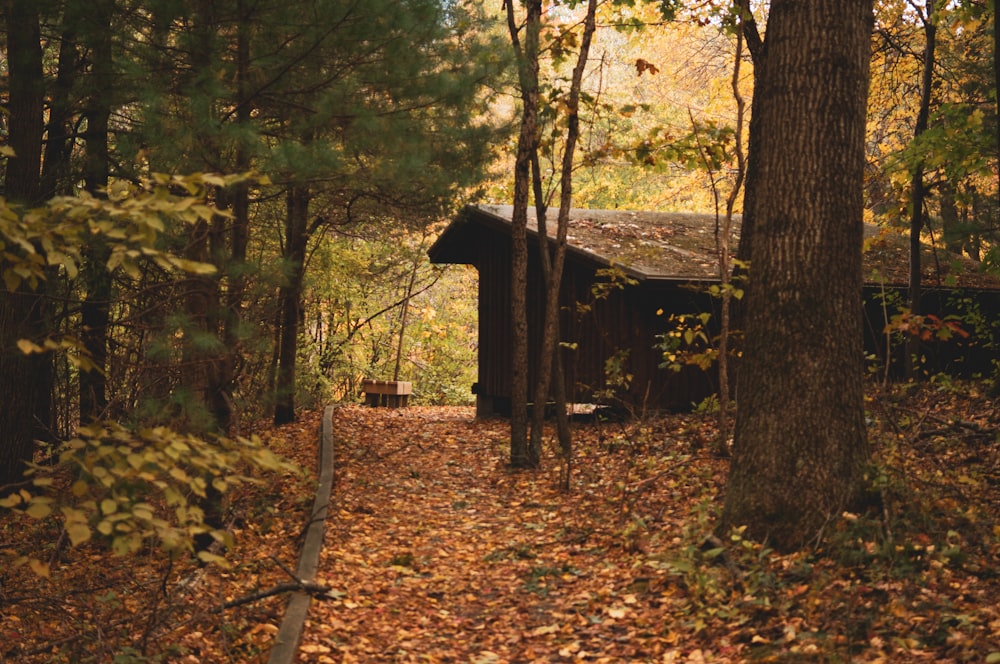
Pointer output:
x,y
628,319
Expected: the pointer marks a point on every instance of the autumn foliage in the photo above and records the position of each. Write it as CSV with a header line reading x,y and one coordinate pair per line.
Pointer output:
x,y
436,551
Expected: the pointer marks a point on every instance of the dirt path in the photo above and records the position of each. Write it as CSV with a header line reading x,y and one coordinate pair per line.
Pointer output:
x,y
443,555
439,553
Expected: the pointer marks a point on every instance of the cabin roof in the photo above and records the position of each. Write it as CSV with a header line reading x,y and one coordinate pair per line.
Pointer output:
x,y
680,246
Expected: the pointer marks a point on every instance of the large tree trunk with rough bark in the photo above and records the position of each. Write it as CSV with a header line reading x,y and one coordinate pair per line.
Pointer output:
x,y
800,448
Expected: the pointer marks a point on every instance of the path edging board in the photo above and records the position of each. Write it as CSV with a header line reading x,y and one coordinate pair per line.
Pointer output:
x,y
286,642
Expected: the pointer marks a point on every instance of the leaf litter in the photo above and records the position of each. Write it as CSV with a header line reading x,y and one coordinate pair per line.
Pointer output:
x,y
436,551
441,553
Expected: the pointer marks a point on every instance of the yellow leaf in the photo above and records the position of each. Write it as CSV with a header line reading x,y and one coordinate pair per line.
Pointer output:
x,y
13,500
314,649
78,532
207,557
11,280
545,629
38,509
39,568
28,347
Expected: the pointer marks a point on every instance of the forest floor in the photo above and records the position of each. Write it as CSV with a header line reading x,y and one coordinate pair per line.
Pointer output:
x,y
437,552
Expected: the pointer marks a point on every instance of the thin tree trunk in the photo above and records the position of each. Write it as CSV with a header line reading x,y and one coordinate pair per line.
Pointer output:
x,y
239,233
725,275
552,273
95,310
402,318
743,270
520,456
290,297
755,46
564,432
56,177
918,189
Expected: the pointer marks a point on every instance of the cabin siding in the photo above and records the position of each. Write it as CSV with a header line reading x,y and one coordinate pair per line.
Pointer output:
x,y
632,318
626,319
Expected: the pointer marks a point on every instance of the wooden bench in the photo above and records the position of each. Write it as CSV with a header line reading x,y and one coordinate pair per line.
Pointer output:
x,y
387,393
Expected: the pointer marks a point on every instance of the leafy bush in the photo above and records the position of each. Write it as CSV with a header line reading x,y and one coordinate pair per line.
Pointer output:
x,y
128,489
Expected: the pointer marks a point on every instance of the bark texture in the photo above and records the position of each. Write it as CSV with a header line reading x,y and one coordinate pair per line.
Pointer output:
x,y
25,380
527,144
918,188
290,296
800,449
95,310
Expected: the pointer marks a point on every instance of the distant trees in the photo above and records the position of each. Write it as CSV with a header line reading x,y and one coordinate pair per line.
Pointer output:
x,y
353,110
348,112
932,135
800,448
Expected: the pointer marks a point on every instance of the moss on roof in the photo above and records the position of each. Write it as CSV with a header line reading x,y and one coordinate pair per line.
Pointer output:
x,y
682,246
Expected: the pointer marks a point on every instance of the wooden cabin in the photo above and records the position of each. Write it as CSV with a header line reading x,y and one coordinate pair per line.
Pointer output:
x,y
668,260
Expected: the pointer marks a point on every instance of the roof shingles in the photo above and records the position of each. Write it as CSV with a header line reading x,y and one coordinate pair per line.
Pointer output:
x,y
682,246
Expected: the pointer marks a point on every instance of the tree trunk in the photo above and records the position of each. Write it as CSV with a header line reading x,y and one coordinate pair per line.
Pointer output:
x,y
56,174
723,242
741,273
918,190
25,380
290,296
405,308
552,271
239,200
800,447
26,87
520,456
201,349
95,310
755,46
20,387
